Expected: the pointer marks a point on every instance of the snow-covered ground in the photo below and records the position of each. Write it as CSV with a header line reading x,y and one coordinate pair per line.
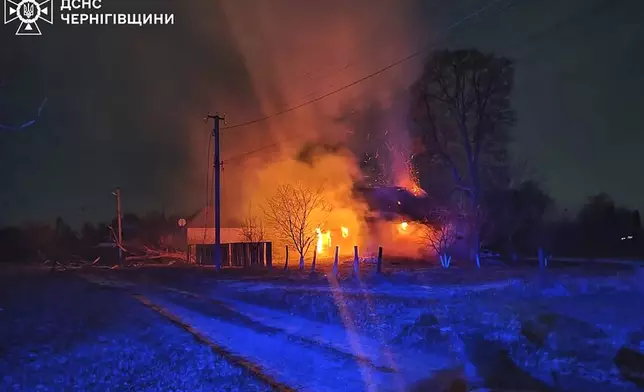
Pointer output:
x,y
60,333
416,330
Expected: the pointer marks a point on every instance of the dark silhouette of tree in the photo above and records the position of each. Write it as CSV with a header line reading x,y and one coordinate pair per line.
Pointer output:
x,y
90,235
607,230
67,244
516,217
637,223
41,239
463,114
15,246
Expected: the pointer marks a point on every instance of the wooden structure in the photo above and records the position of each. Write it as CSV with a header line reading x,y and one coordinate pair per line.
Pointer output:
x,y
237,254
235,251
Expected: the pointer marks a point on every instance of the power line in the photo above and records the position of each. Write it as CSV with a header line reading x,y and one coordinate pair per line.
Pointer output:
x,y
369,76
382,70
242,155
320,76
555,27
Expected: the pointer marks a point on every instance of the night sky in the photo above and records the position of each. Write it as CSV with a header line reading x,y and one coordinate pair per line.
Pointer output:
x,y
125,104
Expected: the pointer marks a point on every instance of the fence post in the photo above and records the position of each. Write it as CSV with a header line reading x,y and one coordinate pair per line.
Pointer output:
x,y
225,255
246,253
315,256
269,254
261,254
542,256
379,268
356,262
286,262
335,261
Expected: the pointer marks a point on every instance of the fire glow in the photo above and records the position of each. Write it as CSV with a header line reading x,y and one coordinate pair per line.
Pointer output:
x,y
349,221
324,240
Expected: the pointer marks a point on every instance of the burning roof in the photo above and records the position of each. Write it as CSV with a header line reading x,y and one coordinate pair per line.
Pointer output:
x,y
395,203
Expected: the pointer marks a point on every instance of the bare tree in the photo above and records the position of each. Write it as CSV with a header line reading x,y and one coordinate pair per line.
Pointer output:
x,y
252,231
440,233
252,228
462,108
295,212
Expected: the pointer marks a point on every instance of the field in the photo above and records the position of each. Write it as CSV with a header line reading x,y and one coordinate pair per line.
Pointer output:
x,y
409,329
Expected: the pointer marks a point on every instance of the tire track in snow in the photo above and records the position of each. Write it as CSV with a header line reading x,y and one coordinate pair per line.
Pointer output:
x,y
311,341
291,361
319,362
405,372
253,369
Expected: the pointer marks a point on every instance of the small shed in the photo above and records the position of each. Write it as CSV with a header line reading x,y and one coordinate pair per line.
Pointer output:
x,y
236,251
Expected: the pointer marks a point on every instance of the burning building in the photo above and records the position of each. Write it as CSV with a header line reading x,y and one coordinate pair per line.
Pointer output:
x,y
390,203
396,219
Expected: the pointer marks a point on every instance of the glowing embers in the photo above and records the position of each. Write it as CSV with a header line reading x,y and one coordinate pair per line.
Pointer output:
x,y
417,191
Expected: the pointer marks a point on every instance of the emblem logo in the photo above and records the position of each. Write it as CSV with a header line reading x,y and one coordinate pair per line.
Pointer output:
x,y
29,13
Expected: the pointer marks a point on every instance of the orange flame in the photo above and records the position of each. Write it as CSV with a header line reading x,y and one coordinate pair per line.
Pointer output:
x,y
403,227
324,240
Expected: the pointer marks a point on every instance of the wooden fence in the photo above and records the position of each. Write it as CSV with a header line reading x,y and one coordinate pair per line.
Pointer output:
x,y
237,254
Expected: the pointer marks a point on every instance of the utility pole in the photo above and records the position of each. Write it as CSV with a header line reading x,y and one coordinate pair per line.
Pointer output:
x,y
217,192
117,193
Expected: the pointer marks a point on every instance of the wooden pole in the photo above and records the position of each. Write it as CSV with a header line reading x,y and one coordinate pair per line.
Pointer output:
x,y
286,262
356,262
315,256
335,261
119,224
379,268
269,255
217,191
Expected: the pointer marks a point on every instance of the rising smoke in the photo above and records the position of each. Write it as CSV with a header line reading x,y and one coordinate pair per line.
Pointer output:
x,y
295,51
129,111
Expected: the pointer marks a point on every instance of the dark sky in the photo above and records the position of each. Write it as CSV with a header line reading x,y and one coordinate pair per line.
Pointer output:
x,y
125,104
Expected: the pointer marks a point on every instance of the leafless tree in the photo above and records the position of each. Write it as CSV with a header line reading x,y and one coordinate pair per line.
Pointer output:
x,y
252,230
295,212
440,233
462,108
